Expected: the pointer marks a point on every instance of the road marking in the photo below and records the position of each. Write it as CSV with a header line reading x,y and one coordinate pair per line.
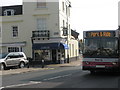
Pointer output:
x,y
1,88
57,77
33,82
18,85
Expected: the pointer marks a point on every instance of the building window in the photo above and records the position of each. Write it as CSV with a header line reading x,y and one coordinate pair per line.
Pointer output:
x,y
15,31
63,23
63,7
14,49
9,12
41,24
41,4
65,32
66,9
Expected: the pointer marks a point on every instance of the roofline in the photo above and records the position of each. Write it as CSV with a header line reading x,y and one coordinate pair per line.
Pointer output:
x,y
97,30
11,6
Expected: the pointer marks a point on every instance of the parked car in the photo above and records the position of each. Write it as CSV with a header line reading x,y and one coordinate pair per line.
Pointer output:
x,y
13,59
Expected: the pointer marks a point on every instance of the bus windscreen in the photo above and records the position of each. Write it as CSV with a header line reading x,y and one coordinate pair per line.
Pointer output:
x,y
100,47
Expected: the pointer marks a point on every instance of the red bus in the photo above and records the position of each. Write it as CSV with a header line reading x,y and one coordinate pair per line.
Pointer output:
x,y
101,50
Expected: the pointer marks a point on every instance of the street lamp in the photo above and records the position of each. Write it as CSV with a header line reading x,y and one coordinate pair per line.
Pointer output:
x,y
67,32
69,6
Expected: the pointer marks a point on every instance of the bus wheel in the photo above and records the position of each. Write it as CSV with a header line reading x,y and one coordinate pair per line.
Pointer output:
x,y
92,72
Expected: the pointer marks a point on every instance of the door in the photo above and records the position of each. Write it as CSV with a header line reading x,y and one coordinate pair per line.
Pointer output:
x,y
54,56
9,60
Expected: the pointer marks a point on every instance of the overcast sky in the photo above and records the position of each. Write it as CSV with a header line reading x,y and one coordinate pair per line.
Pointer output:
x,y
88,14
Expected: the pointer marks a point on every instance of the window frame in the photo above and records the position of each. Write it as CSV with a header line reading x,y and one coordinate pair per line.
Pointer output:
x,y
41,24
63,6
11,11
9,49
41,4
15,32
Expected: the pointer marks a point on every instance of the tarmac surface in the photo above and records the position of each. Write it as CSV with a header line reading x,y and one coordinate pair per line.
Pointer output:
x,y
30,69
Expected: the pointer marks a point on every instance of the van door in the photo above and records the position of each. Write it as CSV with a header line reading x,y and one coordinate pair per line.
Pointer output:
x,y
13,59
9,60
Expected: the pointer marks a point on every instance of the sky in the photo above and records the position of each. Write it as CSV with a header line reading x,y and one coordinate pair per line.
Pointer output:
x,y
88,14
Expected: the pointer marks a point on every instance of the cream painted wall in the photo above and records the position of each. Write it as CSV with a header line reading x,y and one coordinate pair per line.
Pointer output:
x,y
28,23
119,13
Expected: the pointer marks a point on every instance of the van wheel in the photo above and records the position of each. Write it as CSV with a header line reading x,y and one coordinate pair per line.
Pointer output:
x,y
21,65
92,72
2,66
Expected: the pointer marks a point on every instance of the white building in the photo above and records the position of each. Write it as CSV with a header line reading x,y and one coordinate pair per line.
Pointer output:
x,y
119,13
40,29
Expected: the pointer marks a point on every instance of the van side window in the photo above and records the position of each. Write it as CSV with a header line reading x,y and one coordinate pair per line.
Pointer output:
x,y
21,55
11,56
14,55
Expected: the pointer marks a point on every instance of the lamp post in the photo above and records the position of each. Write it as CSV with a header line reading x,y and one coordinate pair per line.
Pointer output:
x,y
67,31
69,6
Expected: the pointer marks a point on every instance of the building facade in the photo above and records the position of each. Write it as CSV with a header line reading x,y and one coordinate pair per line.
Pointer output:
x,y
119,14
40,29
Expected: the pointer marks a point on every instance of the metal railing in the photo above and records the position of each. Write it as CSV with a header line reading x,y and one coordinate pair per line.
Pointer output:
x,y
43,33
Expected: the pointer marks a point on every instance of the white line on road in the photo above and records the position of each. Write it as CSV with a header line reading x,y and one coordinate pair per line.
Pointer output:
x,y
57,77
18,85
33,82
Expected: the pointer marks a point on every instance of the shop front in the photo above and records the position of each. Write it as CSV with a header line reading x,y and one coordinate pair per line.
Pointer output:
x,y
49,52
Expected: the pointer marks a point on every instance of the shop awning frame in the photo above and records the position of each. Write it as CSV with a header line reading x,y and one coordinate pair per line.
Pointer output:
x,y
47,46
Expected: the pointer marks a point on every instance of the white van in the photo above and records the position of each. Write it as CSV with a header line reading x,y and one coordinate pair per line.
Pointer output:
x,y
13,59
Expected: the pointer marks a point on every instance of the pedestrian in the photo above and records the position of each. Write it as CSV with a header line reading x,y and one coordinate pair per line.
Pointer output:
x,y
43,62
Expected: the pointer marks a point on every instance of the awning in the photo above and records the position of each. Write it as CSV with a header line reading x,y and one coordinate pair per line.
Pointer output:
x,y
46,46
65,46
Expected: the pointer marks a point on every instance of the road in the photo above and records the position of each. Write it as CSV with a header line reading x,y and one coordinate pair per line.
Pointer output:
x,y
61,77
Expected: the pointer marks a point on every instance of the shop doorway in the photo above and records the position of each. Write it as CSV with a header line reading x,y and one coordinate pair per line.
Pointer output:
x,y
54,59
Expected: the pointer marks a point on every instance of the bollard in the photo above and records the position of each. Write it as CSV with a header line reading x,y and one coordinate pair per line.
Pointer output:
x,y
68,59
42,63
28,65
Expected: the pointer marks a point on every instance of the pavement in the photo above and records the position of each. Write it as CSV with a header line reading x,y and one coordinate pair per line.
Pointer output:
x,y
51,66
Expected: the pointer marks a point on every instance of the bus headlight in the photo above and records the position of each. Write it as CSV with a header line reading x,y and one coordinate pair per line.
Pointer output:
x,y
114,63
87,62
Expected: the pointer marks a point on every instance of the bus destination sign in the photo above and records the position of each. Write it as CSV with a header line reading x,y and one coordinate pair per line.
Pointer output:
x,y
100,34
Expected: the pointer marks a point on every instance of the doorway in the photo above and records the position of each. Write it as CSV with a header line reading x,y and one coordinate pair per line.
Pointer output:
x,y
54,56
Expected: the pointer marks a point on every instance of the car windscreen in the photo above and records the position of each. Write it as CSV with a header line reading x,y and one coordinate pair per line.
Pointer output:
x,y
101,47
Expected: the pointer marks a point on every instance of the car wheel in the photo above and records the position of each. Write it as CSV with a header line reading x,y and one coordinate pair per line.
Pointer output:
x,y
22,65
2,66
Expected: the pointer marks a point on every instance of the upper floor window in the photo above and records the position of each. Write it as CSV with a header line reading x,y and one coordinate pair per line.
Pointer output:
x,y
63,23
63,7
41,24
41,4
66,9
9,12
15,31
